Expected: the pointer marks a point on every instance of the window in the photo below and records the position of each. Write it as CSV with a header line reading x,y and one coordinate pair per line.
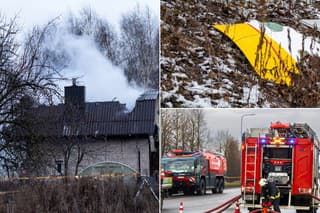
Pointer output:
x,y
59,166
280,153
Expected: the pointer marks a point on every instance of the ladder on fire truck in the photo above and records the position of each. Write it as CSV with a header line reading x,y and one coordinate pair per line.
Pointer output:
x,y
250,161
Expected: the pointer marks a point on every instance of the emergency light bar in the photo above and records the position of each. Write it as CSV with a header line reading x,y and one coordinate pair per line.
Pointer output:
x,y
277,141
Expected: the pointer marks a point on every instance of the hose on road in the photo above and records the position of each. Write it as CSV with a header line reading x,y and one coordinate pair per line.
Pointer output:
x,y
261,210
224,205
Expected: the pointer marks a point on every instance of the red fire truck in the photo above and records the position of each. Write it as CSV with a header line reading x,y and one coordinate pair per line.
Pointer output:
x,y
195,171
288,154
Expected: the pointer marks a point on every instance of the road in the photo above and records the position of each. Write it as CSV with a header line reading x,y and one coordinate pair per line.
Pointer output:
x,y
199,204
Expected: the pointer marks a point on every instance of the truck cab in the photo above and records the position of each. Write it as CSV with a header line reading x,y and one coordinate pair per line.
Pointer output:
x,y
193,172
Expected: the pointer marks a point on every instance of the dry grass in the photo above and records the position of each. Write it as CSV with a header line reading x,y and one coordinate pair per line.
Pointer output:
x,y
232,184
83,195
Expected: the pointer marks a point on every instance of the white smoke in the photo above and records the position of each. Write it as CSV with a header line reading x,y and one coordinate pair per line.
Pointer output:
x,y
103,80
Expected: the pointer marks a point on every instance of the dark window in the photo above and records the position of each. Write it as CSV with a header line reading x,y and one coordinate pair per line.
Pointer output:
x,y
281,153
59,166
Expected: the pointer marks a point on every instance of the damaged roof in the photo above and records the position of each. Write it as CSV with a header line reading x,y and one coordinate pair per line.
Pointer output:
x,y
99,118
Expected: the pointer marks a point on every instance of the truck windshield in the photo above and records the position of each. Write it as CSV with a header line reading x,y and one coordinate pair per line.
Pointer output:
x,y
280,153
179,165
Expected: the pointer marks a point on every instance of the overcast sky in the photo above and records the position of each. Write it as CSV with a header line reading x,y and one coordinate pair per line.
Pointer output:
x,y
103,81
40,11
230,119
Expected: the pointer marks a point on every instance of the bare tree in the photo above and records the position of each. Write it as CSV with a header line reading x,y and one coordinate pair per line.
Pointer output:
x,y
230,147
24,71
176,125
183,129
220,140
233,156
201,129
140,47
89,23
166,131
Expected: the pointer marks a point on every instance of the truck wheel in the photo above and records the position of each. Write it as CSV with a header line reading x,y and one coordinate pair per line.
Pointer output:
x,y
202,188
217,185
214,190
221,185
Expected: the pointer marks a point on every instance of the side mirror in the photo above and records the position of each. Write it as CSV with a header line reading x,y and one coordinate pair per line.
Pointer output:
x,y
168,173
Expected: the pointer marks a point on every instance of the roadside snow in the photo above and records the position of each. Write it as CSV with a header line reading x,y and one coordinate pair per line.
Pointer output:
x,y
250,95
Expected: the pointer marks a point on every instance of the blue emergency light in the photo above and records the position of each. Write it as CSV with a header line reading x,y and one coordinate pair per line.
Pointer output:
x,y
291,140
262,140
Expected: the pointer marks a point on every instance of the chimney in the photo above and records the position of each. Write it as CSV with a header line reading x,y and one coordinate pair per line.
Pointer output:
x,y
74,95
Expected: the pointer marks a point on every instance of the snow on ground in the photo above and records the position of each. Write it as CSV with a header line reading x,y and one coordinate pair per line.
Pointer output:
x,y
202,68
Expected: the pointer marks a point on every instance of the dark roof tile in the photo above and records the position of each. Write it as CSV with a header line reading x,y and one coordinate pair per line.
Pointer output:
x,y
101,118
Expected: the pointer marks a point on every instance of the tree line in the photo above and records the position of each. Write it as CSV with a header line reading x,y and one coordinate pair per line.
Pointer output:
x,y
187,129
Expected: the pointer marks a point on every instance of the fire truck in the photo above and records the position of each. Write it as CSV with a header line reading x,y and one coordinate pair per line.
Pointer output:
x,y
195,171
287,154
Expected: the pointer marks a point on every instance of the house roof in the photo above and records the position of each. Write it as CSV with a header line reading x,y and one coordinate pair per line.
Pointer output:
x,y
99,118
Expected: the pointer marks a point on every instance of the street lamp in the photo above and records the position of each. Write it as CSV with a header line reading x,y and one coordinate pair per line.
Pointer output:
x,y
242,117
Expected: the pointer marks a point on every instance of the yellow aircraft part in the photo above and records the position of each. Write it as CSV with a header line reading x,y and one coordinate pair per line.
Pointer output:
x,y
266,56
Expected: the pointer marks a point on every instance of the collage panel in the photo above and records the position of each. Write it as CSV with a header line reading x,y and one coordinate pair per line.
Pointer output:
x,y
79,106
240,160
159,106
239,54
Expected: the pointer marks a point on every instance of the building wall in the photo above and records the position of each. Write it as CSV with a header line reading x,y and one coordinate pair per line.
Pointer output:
x,y
119,150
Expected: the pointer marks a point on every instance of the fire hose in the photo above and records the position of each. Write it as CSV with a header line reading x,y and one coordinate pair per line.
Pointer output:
x,y
225,205
318,199
271,211
263,210
221,208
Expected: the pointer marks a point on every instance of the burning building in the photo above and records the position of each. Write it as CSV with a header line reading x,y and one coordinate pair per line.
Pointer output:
x,y
77,134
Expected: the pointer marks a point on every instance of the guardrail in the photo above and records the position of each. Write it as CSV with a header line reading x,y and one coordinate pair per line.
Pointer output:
x,y
232,179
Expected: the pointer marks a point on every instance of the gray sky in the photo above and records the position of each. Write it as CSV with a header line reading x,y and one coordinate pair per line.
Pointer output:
x,y
40,11
230,119
103,81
